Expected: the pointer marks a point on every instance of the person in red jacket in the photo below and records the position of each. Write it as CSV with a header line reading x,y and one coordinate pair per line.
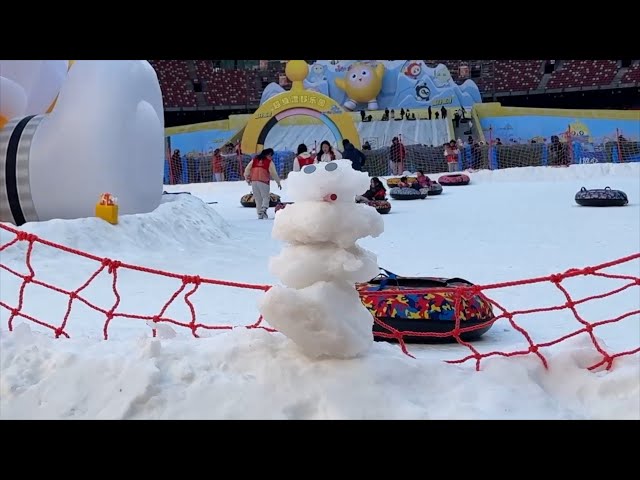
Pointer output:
x,y
303,158
258,174
451,155
216,166
376,192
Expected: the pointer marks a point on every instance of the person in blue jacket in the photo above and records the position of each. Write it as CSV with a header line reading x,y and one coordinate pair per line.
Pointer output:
x,y
350,152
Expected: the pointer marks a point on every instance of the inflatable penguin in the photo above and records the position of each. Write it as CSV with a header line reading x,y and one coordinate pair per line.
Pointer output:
x,y
71,131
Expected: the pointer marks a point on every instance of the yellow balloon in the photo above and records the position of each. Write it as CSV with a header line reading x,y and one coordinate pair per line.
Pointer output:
x,y
53,104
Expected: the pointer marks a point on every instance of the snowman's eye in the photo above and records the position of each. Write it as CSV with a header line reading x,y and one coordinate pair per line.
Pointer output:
x,y
353,76
309,169
330,167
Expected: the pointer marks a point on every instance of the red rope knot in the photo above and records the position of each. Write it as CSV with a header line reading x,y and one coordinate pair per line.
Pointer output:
x,y
109,315
533,348
28,278
570,304
155,318
464,292
111,265
58,332
589,328
15,312
26,236
191,279
73,295
588,271
555,278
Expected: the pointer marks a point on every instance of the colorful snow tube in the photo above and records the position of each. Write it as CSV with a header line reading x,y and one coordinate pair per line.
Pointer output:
x,y
424,305
398,193
434,189
602,197
382,206
393,181
248,200
454,179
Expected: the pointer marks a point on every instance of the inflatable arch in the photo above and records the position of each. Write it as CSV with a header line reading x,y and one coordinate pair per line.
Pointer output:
x,y
298,101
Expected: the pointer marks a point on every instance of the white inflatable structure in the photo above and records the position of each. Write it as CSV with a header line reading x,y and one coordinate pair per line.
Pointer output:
x,y
319,307
72,131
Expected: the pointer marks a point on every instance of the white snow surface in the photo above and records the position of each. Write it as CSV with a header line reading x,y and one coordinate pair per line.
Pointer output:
x,y
506,225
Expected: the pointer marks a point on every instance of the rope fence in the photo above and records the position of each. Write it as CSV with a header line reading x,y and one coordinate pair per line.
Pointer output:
x,y
187,286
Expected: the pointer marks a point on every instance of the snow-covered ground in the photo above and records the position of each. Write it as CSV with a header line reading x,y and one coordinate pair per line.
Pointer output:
x,y
507,225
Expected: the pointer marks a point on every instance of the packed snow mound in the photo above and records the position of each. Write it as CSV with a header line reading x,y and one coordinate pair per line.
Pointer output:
x,y
324,319
180,221
299,266
322,222
252,374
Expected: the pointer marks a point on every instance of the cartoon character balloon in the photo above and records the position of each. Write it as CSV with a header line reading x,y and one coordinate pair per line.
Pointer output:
x,y
362,82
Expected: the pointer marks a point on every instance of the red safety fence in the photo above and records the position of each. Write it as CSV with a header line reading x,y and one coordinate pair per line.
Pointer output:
x,y
189,285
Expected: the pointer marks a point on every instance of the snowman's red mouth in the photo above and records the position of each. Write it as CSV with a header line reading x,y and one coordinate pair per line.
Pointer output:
x,y
330,197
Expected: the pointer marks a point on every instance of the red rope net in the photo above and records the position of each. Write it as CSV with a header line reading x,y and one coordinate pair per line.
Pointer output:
x,y
188,286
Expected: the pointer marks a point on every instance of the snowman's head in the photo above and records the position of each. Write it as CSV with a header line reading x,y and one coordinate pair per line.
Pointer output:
x,y
334,181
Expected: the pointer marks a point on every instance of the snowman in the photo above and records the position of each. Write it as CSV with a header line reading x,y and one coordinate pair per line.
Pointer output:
x,y
318,307
71,131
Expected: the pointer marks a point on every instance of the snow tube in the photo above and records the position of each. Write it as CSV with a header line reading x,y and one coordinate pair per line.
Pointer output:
x,y
426,305
603,197
382,206
248,201
393,182
281,205
435,189
454,179
408,193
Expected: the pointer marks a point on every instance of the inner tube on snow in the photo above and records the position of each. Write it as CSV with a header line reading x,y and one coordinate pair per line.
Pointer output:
x,y
393,181
424,305
454,179
382,206
248,200
602,197
408,193
435,188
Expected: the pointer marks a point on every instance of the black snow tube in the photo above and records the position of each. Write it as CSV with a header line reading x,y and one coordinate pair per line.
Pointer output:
x,y
398,193
602,197
435,189
382,206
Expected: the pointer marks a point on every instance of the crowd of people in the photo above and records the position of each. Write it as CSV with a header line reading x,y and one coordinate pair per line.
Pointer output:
x,y
261,169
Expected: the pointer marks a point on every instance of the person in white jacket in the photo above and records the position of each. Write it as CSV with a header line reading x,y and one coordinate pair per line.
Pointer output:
x,y
303,158
327,153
